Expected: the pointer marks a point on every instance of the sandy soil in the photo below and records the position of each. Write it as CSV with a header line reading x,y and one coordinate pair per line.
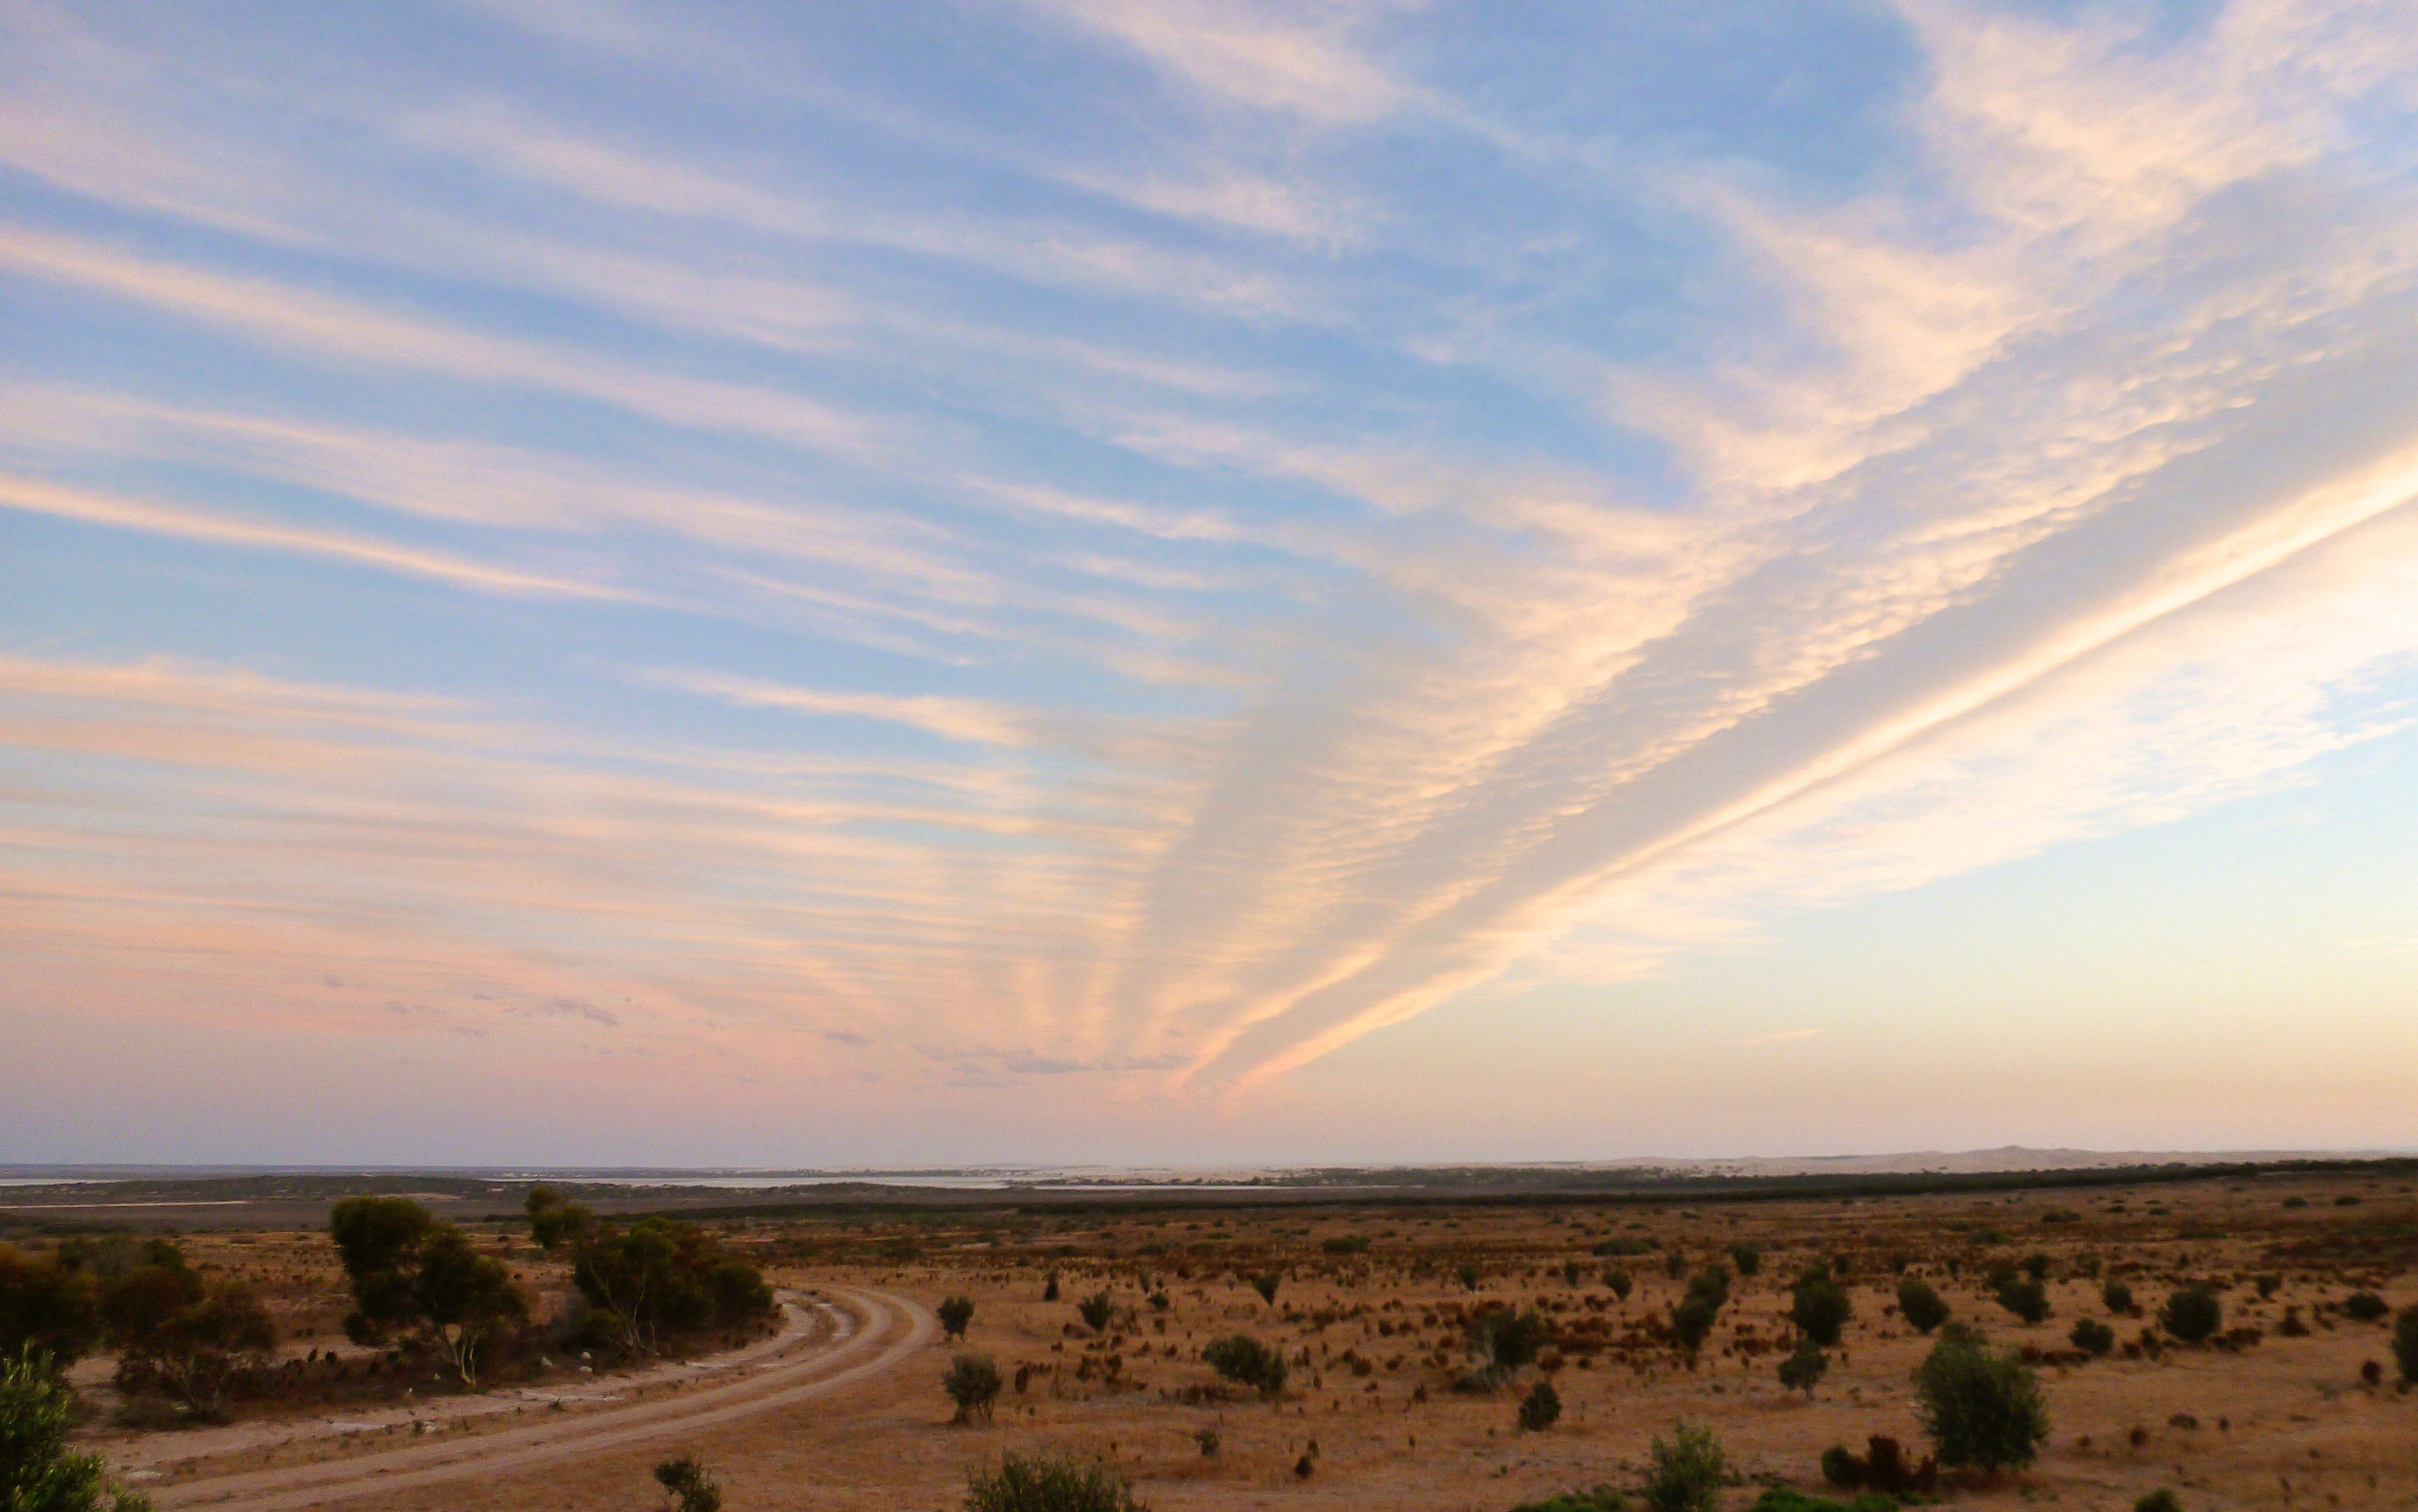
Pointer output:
x,y
2283,1422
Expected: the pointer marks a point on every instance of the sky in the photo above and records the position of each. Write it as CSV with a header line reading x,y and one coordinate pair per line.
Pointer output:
x,y
1201,582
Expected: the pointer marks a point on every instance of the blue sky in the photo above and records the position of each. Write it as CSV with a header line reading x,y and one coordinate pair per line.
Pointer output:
x,y
1185,581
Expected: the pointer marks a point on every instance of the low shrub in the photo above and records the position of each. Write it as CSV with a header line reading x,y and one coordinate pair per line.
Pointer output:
x,y
2192,1313
1690,1320
1245,1361
955,1314
2405,1343
2364,1306
1881,1468
1782,1499
1048,1483
1979,1408
2161,1500
38,1470
2117,1296
1620,1282
1095,1311
1819,1307
1804,1367
1685,1472
1266,1284
974,1383
2092,1337
687,1486
1540,1409
1601,1499
2026,1298
1747,1258
1919,1306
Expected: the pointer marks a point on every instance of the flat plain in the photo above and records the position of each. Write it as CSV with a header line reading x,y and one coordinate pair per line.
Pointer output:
x,y
2293,1403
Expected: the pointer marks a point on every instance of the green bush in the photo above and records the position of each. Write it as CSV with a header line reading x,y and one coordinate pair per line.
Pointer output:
x,y
2026,1298
2192,1313
1245,1361
1685,1471
46,1307
2364,1306
687,1487
2092,1337
1048,1483
1782,1499
1266,1284
1540,1409
2117,1297
1506,1340
1979,1408
972,1382
1620,1282
1747,1258
2405,1343
1712,1286
1804,1367
955,1314
1345,1245
1840,1467
38,1472
2035,1266
1919,1306
1095,1311
2161,1500
1819,1307
1690,1320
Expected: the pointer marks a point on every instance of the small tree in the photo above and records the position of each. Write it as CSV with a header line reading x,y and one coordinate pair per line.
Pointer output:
x,y
687,1486
1095,1311
1245,1361
1804,1367
2117,1296
378,1240
1690,1320
1919,1306
1048,1483
1979,1408
1540,1409
1819,1307
1711,1285
1686,1469
1620,1282
46,1307
1503,1340
956,1313
553,1222
2192,1313
38,1472
1747,1258
2405,1343
972,1382
465,1296
178,1334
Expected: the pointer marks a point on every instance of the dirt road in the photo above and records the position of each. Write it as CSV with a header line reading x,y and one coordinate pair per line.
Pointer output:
x,y
873,1332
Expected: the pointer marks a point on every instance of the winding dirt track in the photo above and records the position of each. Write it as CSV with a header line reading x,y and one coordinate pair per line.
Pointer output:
x,y
889,1331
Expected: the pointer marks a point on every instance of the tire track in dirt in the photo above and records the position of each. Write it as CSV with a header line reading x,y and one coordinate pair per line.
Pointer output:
x,y
894,1330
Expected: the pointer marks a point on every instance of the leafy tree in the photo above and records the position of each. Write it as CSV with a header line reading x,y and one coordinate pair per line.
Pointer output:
x,y
1819,1307
1540,1409
1503,1340
1980,1408
2192,1313
955,1314
1245,1361
46,1306
1095,1311
660,1278
1804,1367
378,1240
1048,1483
37,1472
972,1382
1686,1469
1919,1306
177,1333
465,1296
2405,1343
687,1485
553,1222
